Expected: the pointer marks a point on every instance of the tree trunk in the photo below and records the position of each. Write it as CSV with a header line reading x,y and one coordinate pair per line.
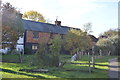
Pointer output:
x,y
78,55
20,56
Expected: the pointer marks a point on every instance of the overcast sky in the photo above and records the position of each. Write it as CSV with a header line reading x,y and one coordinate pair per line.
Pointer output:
x,y
103,14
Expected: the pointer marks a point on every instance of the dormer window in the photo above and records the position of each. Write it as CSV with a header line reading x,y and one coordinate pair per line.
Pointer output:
x,y
35,35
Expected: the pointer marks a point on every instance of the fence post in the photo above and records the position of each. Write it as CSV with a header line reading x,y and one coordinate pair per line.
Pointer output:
x,y
93,57
100,51
89,62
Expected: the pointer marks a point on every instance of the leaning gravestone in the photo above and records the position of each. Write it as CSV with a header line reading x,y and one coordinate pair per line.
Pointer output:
x,y
73,58
109,53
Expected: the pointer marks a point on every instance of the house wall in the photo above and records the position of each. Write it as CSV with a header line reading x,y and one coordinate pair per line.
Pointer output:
x,y
41,37
28,48
30,41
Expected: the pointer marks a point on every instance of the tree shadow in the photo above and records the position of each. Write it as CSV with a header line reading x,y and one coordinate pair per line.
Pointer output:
x,y
13,72
90,64
102,64
11,61
113,74
114,66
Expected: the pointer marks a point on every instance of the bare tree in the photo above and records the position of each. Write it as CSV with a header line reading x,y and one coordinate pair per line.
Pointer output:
x,y
87,27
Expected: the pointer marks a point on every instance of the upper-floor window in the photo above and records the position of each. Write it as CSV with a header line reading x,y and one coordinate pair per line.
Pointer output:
x,y
35,35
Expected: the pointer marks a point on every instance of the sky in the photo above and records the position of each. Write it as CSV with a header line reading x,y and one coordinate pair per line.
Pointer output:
x,y
103,14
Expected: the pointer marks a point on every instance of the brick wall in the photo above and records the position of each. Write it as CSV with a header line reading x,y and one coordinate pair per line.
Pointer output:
x,y
42,37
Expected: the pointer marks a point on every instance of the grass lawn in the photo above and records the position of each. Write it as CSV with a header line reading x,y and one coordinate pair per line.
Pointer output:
x,y
10,68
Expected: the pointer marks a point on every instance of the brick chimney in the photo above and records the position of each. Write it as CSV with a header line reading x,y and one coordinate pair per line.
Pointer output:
x,y
19,15
58,23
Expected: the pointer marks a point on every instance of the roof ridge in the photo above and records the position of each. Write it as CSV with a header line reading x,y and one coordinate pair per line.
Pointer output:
x,y
45,23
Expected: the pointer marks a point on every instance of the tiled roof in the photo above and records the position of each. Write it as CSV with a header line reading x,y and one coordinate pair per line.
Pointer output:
x,y
93,38
44,27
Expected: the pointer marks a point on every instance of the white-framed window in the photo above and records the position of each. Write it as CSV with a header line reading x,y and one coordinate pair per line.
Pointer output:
x,y
34,47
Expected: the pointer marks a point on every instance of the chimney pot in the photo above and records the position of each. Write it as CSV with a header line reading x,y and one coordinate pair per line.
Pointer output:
x,y
58,23
20,15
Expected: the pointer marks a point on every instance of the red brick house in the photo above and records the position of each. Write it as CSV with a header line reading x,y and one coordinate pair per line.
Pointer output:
x,y
38,31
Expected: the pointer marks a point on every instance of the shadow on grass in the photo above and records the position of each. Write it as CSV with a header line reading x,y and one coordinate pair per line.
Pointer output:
x,y
108,65
11,61
13,72
90,64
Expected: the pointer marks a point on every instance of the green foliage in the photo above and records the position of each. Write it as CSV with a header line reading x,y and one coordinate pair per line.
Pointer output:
x,y
12,27
34,15
55,48
15,51
109,44
76,40
110,33
27,50
51,58
41,57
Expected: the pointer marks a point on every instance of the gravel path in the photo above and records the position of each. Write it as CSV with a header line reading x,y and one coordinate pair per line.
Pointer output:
x,y
114,69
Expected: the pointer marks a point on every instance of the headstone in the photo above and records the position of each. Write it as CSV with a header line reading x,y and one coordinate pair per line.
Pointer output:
x,y
109,53
73,58
61,64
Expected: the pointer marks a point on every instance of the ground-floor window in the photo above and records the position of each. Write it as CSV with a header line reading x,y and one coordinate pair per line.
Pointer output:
x,y
34,47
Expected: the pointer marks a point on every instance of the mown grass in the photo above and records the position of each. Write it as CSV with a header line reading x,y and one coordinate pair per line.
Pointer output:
x,y
11,68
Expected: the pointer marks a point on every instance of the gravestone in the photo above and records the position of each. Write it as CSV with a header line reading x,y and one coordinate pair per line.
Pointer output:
x,y
61,64
73,58
109,53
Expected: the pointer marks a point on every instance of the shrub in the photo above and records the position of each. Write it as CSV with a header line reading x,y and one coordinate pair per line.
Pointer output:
x,y
14,51
51,57
55,49
27,50
41,57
